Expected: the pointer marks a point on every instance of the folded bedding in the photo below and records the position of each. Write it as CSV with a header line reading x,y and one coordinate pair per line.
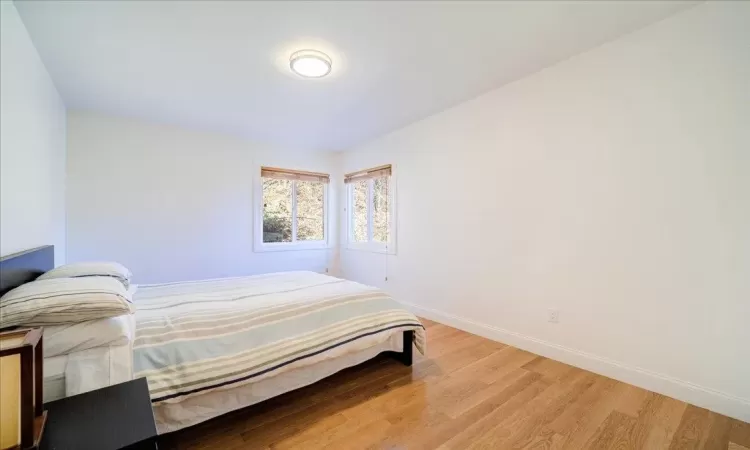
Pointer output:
x,y
197,337
76,337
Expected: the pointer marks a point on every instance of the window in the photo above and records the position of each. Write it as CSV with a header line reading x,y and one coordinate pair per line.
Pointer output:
x,y
292,212
370,210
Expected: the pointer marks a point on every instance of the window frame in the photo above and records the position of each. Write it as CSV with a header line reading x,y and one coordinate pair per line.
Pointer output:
x,y
259,246
370,245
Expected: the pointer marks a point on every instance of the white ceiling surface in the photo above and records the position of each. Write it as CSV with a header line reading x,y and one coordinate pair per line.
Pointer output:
x,y
223,66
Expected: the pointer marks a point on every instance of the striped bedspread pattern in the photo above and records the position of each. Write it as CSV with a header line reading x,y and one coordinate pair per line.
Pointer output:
x,y
199,336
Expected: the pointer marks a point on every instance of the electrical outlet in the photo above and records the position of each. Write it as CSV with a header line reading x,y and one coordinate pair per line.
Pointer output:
x,y
326,269
553,315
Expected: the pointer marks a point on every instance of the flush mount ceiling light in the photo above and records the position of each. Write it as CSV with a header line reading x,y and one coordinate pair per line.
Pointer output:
x,y
310,63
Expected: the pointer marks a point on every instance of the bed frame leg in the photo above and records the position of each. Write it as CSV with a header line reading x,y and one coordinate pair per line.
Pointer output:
x,y
406,355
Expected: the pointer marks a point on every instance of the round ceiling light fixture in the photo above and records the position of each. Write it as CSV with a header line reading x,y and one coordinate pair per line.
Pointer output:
x,y
310,63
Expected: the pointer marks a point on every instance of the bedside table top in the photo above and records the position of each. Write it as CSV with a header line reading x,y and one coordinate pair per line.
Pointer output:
x,y
110,418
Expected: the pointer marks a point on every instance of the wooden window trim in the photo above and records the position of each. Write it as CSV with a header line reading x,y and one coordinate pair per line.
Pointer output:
x,y
290,174
367,174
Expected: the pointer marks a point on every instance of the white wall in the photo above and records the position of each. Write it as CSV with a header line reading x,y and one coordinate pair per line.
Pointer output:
x,y
614,187
32,145
172,204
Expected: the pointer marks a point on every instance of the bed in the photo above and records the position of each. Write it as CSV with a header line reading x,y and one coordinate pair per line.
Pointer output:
x,y
78,357
213,346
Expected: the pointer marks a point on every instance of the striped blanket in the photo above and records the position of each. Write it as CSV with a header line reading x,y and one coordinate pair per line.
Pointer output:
x,y
195,337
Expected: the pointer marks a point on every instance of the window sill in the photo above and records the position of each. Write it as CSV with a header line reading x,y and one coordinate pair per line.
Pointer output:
x,y
289,246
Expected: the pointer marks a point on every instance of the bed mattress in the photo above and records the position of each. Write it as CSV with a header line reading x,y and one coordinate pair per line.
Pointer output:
x,y
216,345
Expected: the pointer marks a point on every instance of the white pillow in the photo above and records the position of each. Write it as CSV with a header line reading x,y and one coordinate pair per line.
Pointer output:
x,y
64,300
90,269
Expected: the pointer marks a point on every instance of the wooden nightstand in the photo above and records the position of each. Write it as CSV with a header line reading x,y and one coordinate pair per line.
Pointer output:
x,y
111,418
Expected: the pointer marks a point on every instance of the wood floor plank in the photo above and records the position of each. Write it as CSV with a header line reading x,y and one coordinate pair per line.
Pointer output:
x,y
498,365
546,439
666,421
428,323
410,422
740,433
613,433
718,433
646,419
733,446
482,427
442,434
452,341
469,392
363,437
588,423
467,355
548,367
466,403
569,420
439,396
693,429
442,333
524,425
633,400
298,436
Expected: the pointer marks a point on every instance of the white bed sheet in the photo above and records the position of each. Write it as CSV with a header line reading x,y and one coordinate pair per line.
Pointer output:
x,y
54,377
76,337
86,370
174,416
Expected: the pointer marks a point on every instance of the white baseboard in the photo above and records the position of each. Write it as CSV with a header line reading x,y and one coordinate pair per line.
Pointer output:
x,y
716,401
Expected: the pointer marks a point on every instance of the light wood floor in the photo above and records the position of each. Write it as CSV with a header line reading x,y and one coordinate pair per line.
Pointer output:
x,y
470,393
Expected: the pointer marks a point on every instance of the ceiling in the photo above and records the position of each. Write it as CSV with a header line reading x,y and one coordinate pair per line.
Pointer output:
x,y
224,66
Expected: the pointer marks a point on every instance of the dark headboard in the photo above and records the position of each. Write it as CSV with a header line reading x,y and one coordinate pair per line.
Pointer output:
x,y
22,267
